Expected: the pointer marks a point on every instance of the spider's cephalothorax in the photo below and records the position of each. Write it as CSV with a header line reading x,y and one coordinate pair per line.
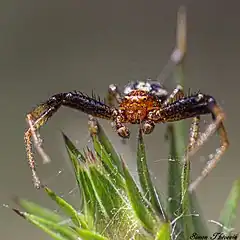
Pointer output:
x,y
139,99
145,103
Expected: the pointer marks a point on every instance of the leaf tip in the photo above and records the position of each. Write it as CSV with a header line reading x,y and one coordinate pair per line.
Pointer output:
x,y
19,213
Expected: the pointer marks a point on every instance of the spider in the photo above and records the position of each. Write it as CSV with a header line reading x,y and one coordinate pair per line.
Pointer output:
x,y
142,102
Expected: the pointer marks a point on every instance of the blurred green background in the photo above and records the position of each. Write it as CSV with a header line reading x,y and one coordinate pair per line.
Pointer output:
x,y
48,47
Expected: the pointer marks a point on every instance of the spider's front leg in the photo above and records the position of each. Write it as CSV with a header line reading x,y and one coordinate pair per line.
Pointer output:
x,y
190,107
176,95
217,125
40,115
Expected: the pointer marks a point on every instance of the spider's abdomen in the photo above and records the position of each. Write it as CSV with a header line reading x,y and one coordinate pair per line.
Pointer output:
x,y
136,105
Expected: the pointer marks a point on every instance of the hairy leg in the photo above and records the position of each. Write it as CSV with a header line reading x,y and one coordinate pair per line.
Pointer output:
x,y
217,125
40,115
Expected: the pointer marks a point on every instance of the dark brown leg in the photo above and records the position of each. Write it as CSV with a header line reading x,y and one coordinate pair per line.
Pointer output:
x,y
197,104
176,94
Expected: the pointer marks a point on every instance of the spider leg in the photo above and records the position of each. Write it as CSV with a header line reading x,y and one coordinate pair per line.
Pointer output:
x,y
92,125
120,127
217,125
174,96
194,133
190,107
40,115
28,144
194,130
193,136
34,124
114,95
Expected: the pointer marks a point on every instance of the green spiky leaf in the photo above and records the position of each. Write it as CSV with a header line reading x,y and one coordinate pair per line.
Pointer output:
x,y
107,162
110,150
164,232
108,196
55,230
77,218
140,206
33,208
149,190
88,235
